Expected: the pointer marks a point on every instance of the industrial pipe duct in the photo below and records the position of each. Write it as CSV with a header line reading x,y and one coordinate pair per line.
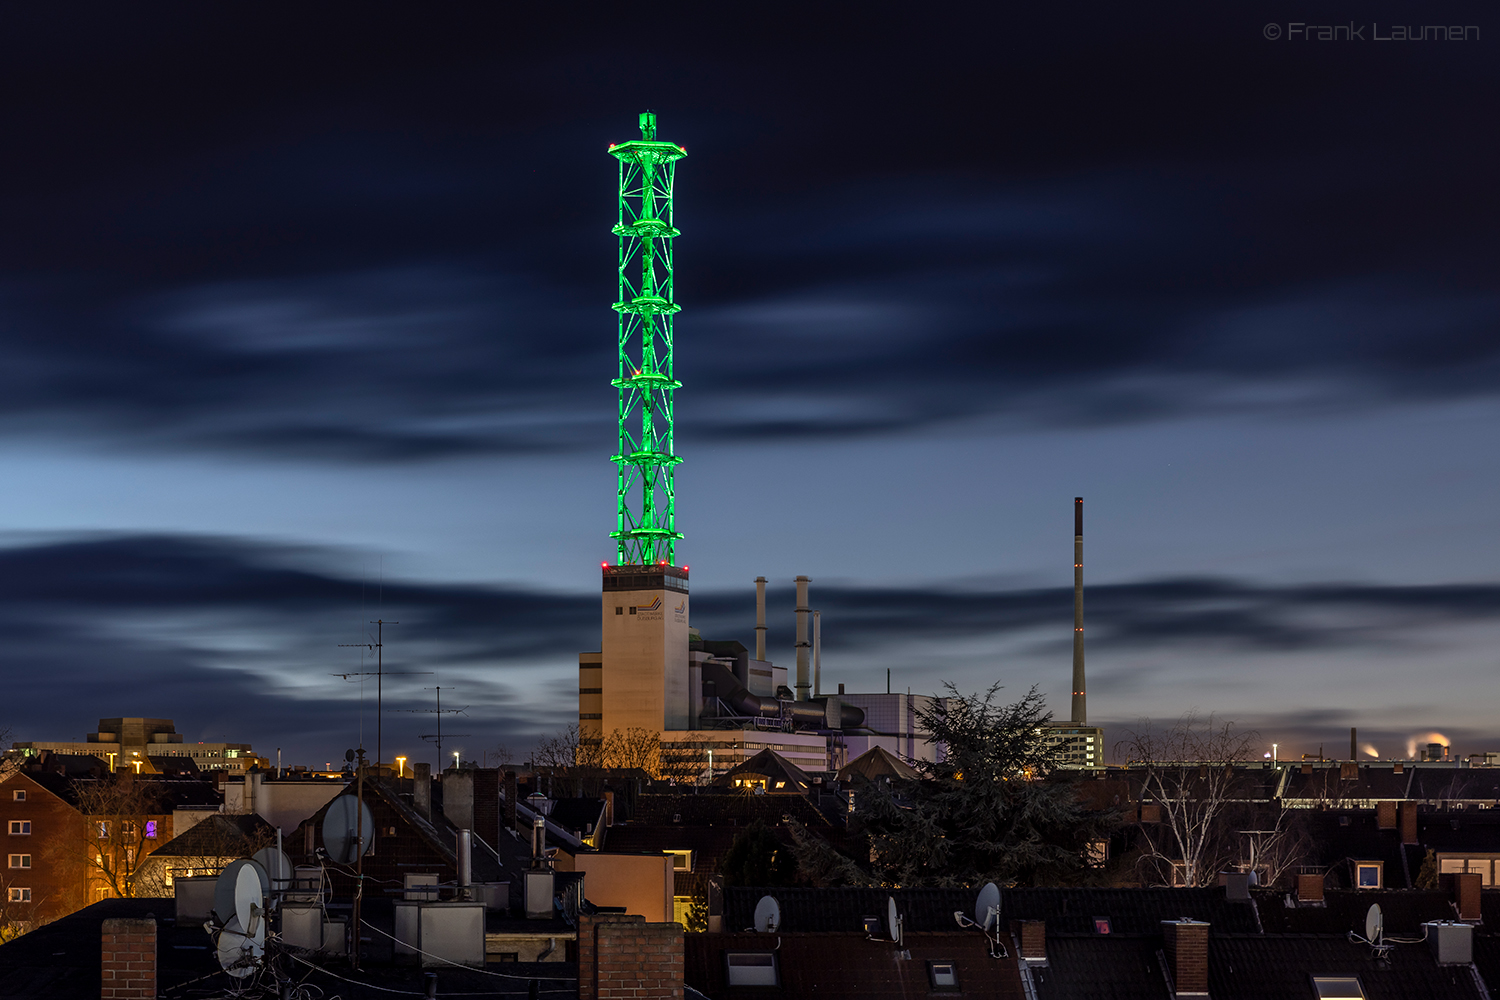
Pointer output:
x,y
812,713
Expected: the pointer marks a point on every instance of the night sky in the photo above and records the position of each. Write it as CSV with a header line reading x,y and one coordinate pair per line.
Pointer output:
x,y
304,321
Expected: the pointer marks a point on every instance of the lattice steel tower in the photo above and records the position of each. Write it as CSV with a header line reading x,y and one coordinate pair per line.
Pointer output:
x,y
645,529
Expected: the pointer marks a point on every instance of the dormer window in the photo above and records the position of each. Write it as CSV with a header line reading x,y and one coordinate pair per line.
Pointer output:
x,y
1368,874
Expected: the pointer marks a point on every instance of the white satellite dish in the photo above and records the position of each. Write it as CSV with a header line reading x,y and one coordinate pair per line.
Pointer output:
x,y
277,865
987,906
250,898
239,953
892,919
227,889
767,915
1374,924
344,817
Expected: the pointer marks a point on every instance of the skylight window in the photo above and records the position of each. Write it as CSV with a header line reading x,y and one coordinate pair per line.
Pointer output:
x,y
943,975
1367,874
751,968
1338,988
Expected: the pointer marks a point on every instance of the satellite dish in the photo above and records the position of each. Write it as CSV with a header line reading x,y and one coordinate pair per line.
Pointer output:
x,y
344,817
987,906
250,898
227,889
1374,924
239,953
767,915
277,865
892,919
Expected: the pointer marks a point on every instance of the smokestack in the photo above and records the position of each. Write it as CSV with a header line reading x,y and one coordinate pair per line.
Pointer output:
x,y
1080,690
760,618
817,653
465,852
802,643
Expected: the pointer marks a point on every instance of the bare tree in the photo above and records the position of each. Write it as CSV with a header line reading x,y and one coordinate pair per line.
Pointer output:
x,y
1193,774
634,749
17,916
566,750
122,818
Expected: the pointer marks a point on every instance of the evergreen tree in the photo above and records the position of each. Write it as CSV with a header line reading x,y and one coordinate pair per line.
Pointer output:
x,y
757,858
985,812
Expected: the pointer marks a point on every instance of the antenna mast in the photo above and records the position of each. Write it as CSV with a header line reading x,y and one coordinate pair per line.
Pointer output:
x,y
379,674
440,711
645,528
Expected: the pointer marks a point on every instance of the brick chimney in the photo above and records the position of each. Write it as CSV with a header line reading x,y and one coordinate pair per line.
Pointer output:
x,y
421,790
1463,889
510,792
1385,814
127,967
1408,823
621,956
1309,888
487,804
1034,940
1187,956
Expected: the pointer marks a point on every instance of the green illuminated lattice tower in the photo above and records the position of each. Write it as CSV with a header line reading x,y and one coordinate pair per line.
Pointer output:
x,y
645,530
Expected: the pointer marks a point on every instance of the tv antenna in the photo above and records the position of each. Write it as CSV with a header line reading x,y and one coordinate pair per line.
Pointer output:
x,y
378,648
440,711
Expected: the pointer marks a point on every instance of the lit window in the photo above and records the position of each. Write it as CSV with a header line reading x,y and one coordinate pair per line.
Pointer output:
x,y
20,828
781,784
681,860
150,829
103,831
1367,874
872,926
751,968
20,861
1338,988
19,895
19,795
1101,925
944,975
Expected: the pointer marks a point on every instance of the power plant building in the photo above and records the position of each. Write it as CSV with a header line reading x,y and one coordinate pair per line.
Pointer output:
x,y
714,703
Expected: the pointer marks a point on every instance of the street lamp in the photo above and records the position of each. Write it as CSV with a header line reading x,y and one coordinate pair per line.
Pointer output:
x,y
456,766
1273,754
400,767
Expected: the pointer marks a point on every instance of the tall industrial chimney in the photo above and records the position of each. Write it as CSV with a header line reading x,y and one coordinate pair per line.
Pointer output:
x,y
817,654
1080,690
760,618
802,644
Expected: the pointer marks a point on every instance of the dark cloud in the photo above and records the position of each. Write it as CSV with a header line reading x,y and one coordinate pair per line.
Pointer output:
x,y
238,637
389,242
